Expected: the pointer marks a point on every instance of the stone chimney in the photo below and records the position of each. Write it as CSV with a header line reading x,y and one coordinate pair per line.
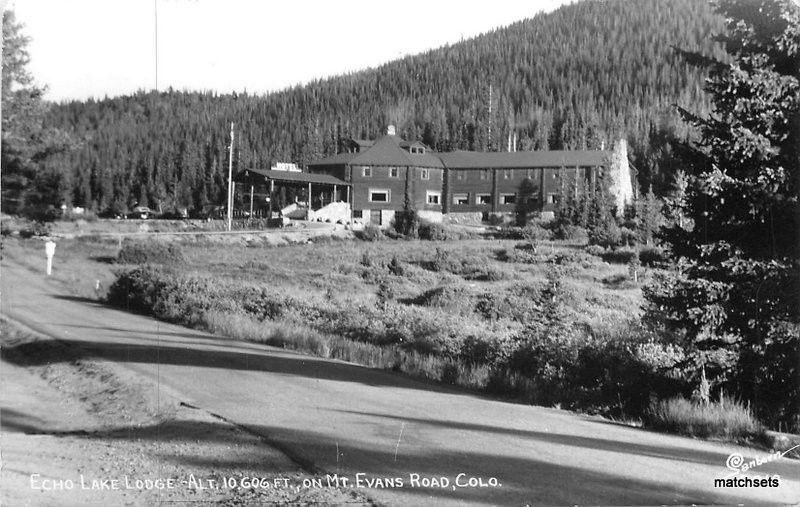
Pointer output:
x,y
621,187
390,130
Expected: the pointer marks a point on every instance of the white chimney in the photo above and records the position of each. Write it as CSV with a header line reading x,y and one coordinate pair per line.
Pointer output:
x,y
390,130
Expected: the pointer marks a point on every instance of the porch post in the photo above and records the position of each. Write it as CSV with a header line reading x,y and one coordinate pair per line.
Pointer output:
x,y
251,202
271,196
334,194
309,196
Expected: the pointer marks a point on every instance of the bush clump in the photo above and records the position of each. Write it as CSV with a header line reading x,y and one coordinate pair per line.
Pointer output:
x,y
725,418
595,250
435,232
370,233
149,252
535,232
620,256
568,232
653,257
606,235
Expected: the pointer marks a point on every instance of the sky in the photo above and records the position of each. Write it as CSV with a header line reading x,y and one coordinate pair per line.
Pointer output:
x,y
97,48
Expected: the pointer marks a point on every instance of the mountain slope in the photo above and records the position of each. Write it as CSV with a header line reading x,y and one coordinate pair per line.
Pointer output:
x,y
578,77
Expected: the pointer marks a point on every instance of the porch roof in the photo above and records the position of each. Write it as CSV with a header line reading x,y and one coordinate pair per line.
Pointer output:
x,y
249,175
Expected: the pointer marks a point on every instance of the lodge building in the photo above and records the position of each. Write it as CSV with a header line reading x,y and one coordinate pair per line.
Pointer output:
x,y
385,174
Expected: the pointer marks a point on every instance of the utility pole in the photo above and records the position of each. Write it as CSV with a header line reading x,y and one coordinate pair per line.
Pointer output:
x,y
489,144
230,181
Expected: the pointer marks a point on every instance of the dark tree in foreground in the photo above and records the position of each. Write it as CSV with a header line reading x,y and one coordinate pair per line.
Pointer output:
x,y
734,302
26,142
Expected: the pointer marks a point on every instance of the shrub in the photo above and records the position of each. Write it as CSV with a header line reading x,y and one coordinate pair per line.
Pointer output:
x,y
434,232
653,257
39,228
407,222
726,418
366,259
607,235
445,261
621,256
483,273
395,267
628,237
509,232
569,232
595,250
535,232
370,233
149,252
452,298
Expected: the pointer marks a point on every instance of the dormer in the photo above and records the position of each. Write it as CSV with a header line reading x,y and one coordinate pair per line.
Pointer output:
x,y
415,148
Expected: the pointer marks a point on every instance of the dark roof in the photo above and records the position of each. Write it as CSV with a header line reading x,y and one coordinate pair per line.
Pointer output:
x,y
340,159
388,151
385,151
289,176
523,159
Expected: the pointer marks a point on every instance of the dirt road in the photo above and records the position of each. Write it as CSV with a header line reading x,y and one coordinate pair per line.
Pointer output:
x,y
445,446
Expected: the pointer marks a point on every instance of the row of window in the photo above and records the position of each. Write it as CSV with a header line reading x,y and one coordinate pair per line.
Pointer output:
x,y
434,197
394,172
481,199
385,195
462,175
506,174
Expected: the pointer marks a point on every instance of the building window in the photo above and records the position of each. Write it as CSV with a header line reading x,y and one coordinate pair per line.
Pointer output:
x,y
460,198
424,174
433,197
483,198
484,174
366,171
380,195
461,175
552,198
394,172
508,198
508,174
357,213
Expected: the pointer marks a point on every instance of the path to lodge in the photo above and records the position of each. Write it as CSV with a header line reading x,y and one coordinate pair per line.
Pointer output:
x,y
334,417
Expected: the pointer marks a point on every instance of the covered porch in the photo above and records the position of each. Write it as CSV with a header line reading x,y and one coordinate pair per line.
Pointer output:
x,y
267,193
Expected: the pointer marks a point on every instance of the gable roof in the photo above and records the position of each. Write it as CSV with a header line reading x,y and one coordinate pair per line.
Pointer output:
x,y
386,151
524,159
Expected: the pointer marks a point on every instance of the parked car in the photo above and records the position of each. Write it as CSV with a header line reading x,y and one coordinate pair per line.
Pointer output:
x,y
175,214
141,212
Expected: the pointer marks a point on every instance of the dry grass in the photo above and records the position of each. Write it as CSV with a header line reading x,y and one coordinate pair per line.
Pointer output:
x,y
726,418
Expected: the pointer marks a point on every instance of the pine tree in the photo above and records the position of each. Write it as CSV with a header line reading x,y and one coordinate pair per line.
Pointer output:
x,y
735,303
26,142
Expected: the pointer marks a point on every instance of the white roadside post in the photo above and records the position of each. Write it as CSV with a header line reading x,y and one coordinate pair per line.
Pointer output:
x,y
50,250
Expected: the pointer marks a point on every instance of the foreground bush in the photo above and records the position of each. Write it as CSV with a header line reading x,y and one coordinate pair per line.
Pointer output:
x,y
568,232
370,233
726,418
435,232
149,252
621,256
653,257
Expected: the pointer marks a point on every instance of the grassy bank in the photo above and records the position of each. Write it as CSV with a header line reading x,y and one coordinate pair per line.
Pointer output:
x,y
535,322
549,323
